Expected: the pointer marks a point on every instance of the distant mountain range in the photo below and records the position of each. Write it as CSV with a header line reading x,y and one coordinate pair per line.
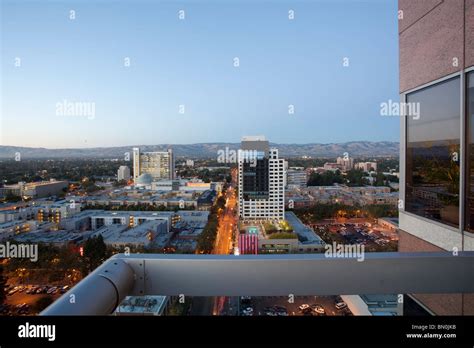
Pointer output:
x,y
210,150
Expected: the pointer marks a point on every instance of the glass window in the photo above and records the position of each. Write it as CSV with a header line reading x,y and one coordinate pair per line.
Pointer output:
x,y
432,158
470,152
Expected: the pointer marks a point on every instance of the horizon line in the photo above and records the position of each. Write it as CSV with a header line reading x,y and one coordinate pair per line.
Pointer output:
x,y
189,144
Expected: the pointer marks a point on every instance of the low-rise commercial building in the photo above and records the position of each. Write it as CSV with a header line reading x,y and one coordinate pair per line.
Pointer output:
x,y
12,228
35,189
152,233
44,188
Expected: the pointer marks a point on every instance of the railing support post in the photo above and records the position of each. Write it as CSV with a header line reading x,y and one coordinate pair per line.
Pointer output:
x,y
97,294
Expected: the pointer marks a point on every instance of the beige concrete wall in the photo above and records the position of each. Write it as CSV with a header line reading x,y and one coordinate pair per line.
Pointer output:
x,y
432,33
469,33
440,304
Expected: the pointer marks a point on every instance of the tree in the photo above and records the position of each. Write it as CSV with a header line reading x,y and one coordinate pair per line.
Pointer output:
x,y
379,179
3,284
207,238
95,252
326,211
327,178
283,235
356,177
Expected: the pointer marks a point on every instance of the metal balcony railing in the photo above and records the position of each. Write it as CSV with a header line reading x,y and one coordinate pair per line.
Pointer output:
x,y
264,275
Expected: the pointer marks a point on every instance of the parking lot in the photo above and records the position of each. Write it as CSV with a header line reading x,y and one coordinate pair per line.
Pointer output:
x,y
21,299
370,234
274,305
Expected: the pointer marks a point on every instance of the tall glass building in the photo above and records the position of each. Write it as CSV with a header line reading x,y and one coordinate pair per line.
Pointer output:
x,y
261,180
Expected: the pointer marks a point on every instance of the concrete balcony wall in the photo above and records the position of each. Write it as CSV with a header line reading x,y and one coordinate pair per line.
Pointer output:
x,y
432,34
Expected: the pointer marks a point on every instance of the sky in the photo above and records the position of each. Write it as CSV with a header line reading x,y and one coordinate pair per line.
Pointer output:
x,y
334,63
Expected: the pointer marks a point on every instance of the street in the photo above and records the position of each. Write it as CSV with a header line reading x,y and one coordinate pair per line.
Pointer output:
x,y
223,246
227,223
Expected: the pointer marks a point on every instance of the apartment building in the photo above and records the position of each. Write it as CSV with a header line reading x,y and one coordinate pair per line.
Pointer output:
x,y
345,163
159,164
296,178
367,166
123,173
436,40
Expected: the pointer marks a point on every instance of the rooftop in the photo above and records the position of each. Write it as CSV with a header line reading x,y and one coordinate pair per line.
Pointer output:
x,y
47,237
305,234
122,234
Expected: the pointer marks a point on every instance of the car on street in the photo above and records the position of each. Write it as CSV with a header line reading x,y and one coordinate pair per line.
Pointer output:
x,y
42,290
52,290
13,291
22,308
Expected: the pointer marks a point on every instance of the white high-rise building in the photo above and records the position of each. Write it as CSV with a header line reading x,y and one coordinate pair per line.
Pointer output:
x,y
159,164
261,181
123,173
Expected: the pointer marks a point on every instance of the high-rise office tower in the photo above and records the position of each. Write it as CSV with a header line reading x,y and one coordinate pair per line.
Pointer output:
x,y
159,164
261,180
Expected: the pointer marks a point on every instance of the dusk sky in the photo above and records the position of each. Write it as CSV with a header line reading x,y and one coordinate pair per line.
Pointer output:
x,y
190,62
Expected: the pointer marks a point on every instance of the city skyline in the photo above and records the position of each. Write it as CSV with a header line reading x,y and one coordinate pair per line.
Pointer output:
x,y
51,62
249,158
